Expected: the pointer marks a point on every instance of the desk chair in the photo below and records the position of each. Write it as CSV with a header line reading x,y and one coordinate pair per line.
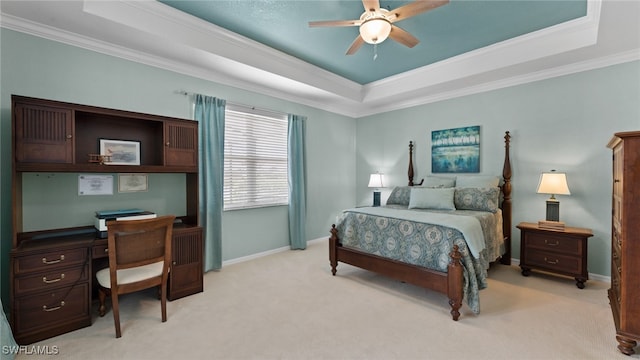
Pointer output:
x,y
139,258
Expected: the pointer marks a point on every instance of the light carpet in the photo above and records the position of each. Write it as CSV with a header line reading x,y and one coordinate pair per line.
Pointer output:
x,y
288,306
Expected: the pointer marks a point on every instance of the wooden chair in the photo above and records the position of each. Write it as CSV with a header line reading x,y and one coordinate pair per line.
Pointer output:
x,y
139,258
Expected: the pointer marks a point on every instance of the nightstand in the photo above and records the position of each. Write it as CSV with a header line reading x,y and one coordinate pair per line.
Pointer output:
x,y
562,252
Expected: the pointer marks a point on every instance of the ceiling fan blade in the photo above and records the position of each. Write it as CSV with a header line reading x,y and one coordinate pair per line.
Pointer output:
x,y
371,5
403,37
415,8
331,23
355,46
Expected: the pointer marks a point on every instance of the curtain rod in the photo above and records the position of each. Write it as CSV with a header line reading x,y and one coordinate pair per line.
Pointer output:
x,y
186,93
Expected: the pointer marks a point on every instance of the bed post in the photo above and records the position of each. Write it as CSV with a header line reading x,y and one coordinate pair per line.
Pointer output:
x,y
455,282
333,244
411,166
506,202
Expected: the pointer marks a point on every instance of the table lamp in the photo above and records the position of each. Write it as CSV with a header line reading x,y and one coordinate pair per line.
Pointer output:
x,y
375,181
553,183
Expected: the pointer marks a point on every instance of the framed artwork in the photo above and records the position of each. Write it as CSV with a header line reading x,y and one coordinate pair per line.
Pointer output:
x,y
456,150
89,184
120,152
133,182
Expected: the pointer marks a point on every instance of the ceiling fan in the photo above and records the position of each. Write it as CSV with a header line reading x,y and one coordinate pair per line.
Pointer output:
x,y
376,24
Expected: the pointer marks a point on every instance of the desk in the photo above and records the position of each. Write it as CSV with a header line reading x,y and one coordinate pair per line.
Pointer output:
x,y
53,273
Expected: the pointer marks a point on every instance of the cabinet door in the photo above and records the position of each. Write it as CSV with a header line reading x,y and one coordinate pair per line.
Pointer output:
x,y
185,277
43,134
180,143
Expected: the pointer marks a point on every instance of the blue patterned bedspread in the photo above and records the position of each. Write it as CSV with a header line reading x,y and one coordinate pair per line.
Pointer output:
x,y
395,232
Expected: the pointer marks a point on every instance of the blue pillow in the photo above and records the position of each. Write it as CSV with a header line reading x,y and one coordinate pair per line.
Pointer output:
x,y
432,198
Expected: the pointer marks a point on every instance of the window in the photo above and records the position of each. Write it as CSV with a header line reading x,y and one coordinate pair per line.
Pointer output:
x,y
255,158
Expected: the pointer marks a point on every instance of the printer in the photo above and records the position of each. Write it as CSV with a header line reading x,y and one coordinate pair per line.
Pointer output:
x,y
127,214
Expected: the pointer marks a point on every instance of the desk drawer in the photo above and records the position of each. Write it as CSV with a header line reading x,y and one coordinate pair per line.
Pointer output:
x,y
47,261
568,265
100,249
52,308
48,280
550,242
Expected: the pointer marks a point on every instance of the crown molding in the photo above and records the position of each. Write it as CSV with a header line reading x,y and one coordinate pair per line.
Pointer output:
x,y
195,48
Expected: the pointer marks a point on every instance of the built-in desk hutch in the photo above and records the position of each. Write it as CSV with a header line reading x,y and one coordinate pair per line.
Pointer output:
x,y
52,271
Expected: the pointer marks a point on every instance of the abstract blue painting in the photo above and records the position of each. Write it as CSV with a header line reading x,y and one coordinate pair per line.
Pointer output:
x,y
456,150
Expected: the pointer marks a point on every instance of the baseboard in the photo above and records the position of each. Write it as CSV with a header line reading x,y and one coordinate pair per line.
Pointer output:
x,y
264,253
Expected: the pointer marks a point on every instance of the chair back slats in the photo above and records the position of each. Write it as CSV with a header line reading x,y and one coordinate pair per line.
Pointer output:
x,y
139,248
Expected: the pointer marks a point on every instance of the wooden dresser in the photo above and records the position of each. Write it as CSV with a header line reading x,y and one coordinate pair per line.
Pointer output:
x,y
624,294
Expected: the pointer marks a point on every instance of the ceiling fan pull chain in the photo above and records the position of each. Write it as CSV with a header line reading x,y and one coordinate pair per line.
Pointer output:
x,y
375,52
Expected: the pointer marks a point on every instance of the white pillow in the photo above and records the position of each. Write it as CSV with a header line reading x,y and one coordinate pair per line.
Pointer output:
x,y
432,198
477,181
439,182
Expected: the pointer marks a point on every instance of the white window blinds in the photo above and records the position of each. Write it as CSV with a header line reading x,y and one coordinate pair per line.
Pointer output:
x,y
255,158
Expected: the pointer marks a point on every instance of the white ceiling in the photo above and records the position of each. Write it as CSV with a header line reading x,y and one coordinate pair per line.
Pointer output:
x,y
158,35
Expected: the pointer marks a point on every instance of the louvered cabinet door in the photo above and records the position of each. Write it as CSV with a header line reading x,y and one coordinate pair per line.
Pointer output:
x,y
180,144
43,134
185,277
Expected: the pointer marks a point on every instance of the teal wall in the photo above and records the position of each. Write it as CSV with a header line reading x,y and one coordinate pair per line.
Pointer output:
x,y
562,123
36,67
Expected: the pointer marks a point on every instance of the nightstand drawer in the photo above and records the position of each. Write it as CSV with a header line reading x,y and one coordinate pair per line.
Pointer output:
x,y
569,265
551,242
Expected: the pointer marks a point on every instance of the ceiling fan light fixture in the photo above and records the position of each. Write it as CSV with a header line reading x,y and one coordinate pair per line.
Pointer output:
x,y
375,31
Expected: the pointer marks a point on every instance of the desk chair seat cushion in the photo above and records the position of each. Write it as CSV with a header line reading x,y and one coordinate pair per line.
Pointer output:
x,y
127,276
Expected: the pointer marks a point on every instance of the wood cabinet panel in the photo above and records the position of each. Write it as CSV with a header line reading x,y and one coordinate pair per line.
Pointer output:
x,y
43,133
624,294
181,144
186,276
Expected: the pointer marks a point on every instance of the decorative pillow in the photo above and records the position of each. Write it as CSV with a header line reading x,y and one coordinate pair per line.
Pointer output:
x,y
482,199
477,181
439,182
432,198
399,196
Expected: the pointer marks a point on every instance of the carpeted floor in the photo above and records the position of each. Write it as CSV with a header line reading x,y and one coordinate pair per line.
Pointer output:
x,y
288,306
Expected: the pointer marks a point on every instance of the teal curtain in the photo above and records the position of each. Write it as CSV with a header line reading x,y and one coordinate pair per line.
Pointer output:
x,y
297,182
209,112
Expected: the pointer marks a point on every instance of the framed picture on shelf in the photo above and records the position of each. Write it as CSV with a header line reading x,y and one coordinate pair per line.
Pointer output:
x,y
120,152
133,182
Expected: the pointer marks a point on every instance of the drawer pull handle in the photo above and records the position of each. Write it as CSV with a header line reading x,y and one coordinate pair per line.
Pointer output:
x,y
551,244
44,279
45,308
553,262
45,261
106,250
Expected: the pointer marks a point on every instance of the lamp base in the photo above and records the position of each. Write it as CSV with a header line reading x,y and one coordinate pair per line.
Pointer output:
x,y
376,198
551,225
553,210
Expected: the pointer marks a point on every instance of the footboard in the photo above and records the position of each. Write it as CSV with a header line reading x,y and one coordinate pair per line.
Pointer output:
x,y
449,283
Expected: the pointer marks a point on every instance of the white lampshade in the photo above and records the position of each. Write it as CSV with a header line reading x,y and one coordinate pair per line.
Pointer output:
x,y
375,31
375,180
553,183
